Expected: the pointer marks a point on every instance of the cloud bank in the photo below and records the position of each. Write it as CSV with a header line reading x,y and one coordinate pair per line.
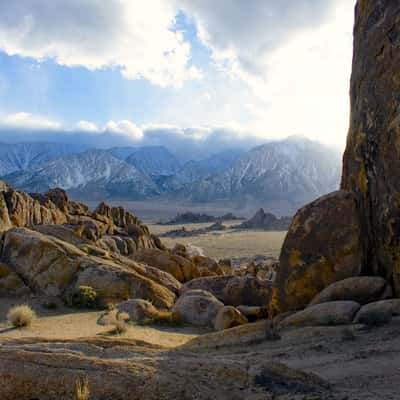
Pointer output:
x,y
189,142
292,56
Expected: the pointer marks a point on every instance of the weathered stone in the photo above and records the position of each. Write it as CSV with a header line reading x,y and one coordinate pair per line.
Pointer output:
x,y
378,312
197,307
207,266
11,284
120,369
139,310
229,317
333,313
233,290
180,268
114,284
362,289
322,246
238,336
371,164
52,267
47,263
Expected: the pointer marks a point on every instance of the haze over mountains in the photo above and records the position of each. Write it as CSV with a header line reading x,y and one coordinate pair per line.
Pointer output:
x,y
295,170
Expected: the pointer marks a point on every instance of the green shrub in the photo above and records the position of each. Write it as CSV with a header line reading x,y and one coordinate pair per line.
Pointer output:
x,y
84,297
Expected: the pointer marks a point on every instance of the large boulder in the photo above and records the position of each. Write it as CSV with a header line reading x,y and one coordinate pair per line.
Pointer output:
x,y
333,313
378,312
322,246
197,307
362,289
371,163
233,290
49,265
114,283
180,268
229,317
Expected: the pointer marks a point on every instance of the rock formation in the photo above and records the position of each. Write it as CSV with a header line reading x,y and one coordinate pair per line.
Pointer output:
x,y
355,231
266,221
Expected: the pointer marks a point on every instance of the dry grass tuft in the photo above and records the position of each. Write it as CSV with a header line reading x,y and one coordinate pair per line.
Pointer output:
x,y
82,389
21,316
118,320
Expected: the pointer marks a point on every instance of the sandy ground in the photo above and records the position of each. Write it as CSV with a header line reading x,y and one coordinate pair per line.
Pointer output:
x,y
358,363
67,323
226,244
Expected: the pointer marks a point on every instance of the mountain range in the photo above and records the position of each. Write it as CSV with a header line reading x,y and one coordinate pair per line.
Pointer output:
x,y
295,169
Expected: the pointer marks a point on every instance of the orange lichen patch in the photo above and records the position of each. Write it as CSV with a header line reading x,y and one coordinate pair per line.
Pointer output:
x,y
295,258
4,271
362,180
273,306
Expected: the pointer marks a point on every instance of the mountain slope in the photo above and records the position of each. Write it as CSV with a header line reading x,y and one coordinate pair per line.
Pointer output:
x,y
193,171
92,174
28,156
294,168
154,161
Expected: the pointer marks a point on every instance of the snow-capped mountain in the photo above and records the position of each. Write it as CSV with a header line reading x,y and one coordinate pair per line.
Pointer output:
x,y
154,161
195,170
28,156
92,174
295,168
290,172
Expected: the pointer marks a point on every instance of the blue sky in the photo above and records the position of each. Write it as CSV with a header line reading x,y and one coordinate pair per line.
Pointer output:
x,y
259,70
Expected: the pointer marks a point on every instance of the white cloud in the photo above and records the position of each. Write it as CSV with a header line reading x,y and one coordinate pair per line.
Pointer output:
x,y
125,127
24,120
132,35
87,126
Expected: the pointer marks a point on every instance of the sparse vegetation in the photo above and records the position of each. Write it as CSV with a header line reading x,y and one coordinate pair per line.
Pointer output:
x,y
82,389
84,297
21,316
118,320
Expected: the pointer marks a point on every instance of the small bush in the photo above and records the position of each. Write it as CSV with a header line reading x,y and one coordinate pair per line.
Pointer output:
x,y
84,297
20,316
82,389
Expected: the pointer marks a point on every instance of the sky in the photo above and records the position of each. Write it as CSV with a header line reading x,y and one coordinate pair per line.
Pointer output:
x,y
133,72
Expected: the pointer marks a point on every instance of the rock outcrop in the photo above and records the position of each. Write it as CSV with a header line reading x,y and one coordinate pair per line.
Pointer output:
x,y
266,221
371,163
51,267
